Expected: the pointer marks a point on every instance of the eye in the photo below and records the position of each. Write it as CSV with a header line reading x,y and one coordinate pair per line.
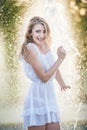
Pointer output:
x,y
37,31
44,31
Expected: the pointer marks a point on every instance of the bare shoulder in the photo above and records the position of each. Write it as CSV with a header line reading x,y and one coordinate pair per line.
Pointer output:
x,y
31,50
29,53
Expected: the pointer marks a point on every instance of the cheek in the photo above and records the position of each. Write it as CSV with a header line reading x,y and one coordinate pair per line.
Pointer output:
x,y
45,36
34,35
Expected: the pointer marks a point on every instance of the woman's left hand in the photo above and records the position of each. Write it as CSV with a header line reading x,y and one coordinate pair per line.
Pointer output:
x,y
65,87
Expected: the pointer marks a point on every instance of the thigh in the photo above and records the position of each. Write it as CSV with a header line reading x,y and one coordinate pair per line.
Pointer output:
x,y
37,128
53,126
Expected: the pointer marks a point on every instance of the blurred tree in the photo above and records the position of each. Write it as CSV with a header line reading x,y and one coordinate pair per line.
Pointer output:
x,y
78,10
11,13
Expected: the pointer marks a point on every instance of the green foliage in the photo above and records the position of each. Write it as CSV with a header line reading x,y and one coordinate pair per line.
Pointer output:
x,y
9,13
79,18
10,17
78,1
83,24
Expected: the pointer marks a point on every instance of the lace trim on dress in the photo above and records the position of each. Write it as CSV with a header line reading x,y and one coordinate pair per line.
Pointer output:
x,y
38,120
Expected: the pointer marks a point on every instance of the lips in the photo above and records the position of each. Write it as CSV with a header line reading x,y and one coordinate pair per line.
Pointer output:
x,y
40,39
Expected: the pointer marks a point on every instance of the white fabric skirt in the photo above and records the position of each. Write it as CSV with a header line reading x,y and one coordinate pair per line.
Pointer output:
x,y
40,105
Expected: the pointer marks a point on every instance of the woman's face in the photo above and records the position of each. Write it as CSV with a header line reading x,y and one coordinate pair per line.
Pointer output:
x,y
38,33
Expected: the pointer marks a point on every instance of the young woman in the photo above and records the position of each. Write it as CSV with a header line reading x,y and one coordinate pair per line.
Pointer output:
x,y
40,107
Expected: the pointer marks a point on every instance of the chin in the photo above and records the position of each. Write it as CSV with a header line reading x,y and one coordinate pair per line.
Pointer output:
x,y
39,43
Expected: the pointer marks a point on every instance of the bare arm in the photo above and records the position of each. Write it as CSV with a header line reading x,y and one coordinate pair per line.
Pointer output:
x,y
32,57
60,80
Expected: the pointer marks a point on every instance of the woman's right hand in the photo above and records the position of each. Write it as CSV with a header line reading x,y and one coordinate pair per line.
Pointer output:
x,y
61,53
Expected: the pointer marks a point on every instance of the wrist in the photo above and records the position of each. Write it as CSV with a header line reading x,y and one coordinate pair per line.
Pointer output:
x,y
59,60
62,84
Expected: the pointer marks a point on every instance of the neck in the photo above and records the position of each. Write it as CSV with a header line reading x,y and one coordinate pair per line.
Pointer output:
x,y
43,48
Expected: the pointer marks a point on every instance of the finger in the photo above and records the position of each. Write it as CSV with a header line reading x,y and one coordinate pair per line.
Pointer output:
x,y
63,88
68,87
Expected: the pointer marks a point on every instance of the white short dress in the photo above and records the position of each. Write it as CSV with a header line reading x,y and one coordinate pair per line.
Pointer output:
x,y
40,106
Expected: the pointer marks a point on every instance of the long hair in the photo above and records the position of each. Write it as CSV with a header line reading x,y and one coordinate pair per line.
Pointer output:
x,y
28,38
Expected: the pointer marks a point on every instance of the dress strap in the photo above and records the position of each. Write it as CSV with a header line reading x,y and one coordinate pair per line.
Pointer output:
x,y
36,48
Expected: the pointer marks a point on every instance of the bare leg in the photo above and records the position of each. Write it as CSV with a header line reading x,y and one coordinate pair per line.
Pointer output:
x,y
52,126
37,128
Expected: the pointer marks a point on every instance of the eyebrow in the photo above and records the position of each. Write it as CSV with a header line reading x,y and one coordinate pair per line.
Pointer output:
x,y
40,30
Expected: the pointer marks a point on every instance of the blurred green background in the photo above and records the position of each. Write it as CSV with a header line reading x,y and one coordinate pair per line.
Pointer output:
x,y
78,11
11,16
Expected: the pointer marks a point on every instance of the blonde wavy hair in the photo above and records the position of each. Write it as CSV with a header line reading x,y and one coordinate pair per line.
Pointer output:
x,y
28,38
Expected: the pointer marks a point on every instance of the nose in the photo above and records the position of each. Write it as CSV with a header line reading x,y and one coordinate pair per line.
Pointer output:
x,y
42,35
